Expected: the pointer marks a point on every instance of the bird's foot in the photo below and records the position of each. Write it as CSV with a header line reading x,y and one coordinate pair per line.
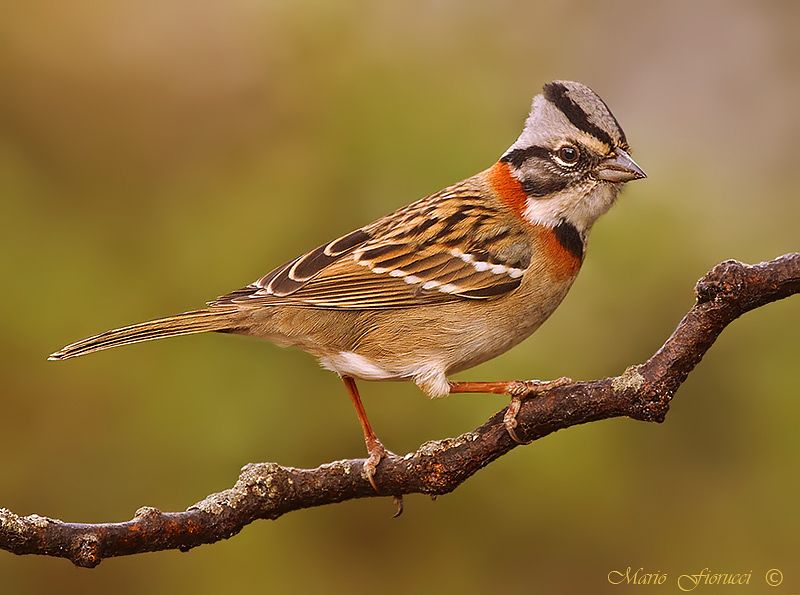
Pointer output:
x,y
522,390
377,452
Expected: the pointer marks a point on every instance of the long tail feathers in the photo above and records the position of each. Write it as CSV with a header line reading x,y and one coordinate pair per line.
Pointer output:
x,y
197,321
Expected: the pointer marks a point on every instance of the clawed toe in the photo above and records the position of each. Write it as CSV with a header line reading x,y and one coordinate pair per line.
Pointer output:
x,y
522,390
398,503
510,418
377,452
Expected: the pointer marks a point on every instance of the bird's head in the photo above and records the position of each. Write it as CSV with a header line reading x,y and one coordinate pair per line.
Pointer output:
x,y
572,157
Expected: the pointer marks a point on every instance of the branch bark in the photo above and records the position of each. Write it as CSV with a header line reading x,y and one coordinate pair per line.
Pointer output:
x,y
269,490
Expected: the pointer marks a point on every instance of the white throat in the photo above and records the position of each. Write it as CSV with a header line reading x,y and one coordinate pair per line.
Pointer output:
x,y
579,205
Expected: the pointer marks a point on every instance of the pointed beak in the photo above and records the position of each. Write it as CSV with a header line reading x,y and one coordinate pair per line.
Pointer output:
x,y
619,168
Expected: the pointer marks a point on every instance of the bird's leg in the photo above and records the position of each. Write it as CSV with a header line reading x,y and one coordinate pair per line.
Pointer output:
x,y
375,449
518,390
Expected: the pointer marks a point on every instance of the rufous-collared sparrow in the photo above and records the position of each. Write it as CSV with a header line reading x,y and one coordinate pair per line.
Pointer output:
x,y
444,283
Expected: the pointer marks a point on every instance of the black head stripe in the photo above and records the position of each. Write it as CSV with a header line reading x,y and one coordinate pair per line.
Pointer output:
x,y
623,141
556,93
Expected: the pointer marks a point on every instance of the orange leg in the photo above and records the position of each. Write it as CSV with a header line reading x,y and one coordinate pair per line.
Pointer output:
x,y
375,449
518,390
491,388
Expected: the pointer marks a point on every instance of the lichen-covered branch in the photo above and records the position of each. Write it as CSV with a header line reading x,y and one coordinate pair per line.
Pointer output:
x,y
269,490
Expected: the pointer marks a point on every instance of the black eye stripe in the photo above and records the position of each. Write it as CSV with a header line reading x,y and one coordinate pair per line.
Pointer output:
x,y
519,156
550,173
547,180
542,186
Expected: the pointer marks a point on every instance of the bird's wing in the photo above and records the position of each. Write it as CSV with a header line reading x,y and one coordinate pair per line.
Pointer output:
x,y
434,251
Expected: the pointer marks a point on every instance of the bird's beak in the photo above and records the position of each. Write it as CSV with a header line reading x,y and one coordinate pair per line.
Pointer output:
x,y
619,168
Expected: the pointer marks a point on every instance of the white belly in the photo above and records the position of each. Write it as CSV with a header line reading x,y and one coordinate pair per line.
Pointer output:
x,y
429,375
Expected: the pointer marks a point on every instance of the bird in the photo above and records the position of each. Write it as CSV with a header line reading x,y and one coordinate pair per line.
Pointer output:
x,y
444,283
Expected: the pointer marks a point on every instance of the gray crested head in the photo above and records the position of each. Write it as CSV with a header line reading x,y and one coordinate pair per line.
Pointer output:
x,y
572,156
586,111
566,108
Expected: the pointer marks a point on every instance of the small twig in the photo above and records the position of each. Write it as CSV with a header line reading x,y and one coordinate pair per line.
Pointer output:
x,y
269,490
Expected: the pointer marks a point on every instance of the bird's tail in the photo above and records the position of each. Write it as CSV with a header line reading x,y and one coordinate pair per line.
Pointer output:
x,y
196,321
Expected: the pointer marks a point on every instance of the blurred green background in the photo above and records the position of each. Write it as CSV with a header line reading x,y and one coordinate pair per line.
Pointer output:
x,y
156,154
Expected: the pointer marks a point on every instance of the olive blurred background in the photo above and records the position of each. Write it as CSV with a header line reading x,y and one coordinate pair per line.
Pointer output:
x,y
156,154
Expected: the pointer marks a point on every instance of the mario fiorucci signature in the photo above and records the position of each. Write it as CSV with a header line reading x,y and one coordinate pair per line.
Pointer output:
x,y
691,581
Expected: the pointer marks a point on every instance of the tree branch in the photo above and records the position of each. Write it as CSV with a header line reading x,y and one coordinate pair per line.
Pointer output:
x,y
269,490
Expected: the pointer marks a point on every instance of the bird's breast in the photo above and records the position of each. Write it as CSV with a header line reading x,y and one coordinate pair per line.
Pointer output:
x,y
560,251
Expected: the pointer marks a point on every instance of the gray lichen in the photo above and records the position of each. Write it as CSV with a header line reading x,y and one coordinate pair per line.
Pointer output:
x,y
434,447
39,521
256,479
629,380
342,466
147,511
10,522
13,523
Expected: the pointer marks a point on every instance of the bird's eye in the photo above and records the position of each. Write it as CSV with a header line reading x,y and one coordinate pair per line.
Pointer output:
x,y
568,155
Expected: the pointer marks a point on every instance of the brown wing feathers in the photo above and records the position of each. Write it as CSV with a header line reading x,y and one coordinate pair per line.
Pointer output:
x,y
291,277
425,253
